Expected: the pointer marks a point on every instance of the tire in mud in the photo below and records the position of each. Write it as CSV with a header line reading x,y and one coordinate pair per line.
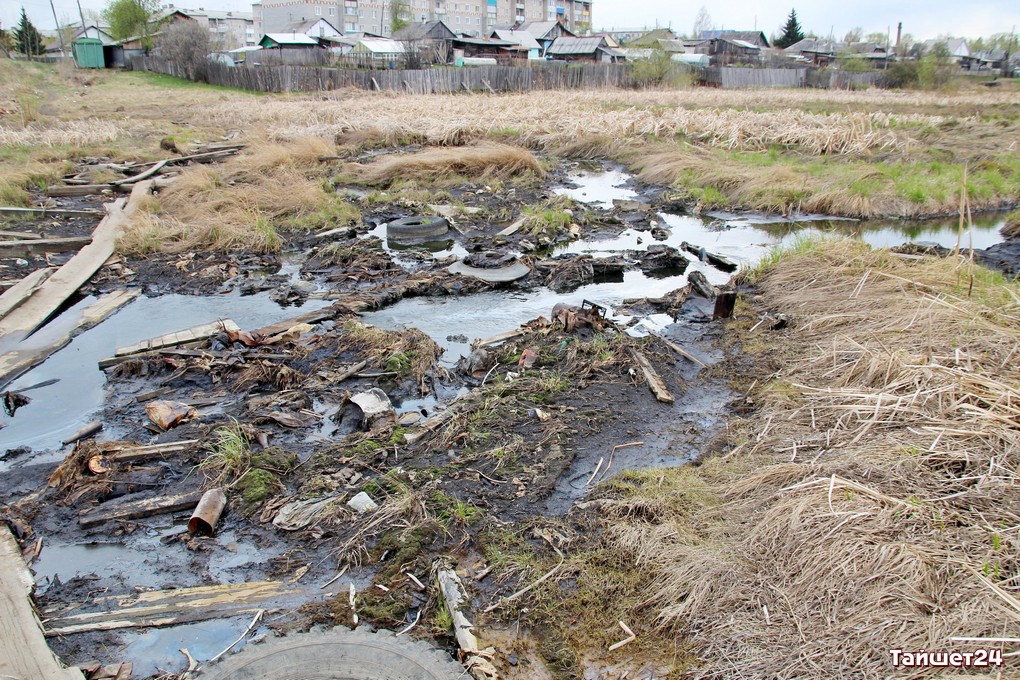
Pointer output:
x,y
338,654
417,227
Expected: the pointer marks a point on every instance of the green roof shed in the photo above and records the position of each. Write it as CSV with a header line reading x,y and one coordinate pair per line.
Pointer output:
x,y
88,53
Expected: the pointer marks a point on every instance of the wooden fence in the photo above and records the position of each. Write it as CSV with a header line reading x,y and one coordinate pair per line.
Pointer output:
x,y
423,81
293,78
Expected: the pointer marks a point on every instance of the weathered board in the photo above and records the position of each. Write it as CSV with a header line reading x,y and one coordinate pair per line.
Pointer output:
x,y
22,290
24,653
179,337
136,509
167,607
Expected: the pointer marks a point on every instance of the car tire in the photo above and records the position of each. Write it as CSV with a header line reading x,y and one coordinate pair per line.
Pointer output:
x,y
417,227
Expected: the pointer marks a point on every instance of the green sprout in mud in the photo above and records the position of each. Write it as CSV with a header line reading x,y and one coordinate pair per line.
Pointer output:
x,y
229,454
451,510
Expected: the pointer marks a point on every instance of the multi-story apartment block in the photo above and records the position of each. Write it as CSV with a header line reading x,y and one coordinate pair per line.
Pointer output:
x,y
472,17
227,30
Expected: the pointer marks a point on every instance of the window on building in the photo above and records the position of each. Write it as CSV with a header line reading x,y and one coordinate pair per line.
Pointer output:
x,y
318,11
332,11
457,19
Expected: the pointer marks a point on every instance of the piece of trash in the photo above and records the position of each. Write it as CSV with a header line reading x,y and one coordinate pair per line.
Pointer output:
x,y
299,514
207,513
374,404
362,503
541,415
288,419
168,414
528,358
98,465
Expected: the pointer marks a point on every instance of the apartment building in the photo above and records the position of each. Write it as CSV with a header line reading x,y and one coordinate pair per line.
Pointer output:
x,y
472,17
227,30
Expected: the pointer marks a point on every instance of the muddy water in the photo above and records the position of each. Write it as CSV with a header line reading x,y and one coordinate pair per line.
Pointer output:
x,y
60,409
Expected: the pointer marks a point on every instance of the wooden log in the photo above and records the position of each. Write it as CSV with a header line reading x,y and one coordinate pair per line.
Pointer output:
x,y
43,212
682,352
23,649
78,189
655,383
187,335
308,317
30,247
22,290
496,339
137,509
157,608
724,304
27,355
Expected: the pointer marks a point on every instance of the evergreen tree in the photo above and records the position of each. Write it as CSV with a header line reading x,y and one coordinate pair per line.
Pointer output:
x,y
791,32
27,38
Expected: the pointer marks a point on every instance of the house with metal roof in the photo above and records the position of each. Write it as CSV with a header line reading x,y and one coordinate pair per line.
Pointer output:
x,y
593,49
525,42
313,28
756,38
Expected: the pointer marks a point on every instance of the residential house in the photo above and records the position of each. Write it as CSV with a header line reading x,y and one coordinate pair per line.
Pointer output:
x,y
427,43
756,38
503,51
959,51
545,32
815,51
726,51
528,47
649,39
319,29
990,59
593,49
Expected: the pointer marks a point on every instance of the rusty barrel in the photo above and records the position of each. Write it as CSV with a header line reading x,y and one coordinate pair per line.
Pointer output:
x,y
208,512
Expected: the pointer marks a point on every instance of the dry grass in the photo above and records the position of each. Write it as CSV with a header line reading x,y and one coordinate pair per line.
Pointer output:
x,y
1011,229
240,204
874,502
479,162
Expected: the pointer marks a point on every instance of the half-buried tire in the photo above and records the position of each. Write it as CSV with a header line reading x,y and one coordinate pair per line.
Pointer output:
x,y
417,227
338,654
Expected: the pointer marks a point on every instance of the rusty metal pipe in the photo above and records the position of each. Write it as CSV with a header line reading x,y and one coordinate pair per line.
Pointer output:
x,y
210,507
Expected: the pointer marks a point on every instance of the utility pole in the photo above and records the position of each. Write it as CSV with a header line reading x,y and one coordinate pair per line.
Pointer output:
x,y
82,15
60,34
1006,71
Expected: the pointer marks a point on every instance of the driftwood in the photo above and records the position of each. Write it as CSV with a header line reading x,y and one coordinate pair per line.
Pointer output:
x,y
23,649
496,339
167,607
21,235
137,509
682,352
133,454
154,170
655,383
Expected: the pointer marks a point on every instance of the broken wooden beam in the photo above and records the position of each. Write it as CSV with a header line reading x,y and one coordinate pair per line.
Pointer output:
x,y
137,509
19,235
77,189
23,649
22,290
155,169
27,248
496,339
193,334
153,609
682,352
308,317
654,380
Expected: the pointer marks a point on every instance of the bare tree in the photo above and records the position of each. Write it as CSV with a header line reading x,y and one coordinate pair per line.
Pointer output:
x,y
187,43
702,22
853,35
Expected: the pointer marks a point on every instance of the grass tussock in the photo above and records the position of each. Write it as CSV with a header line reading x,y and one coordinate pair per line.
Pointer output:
x,y
245,203
435,165
873,502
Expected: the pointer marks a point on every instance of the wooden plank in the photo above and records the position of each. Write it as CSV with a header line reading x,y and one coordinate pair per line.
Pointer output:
x,y
137,509
308,317
19,235
24,653
29,247
178,337
25,355
502,337
22,290
153,609
655,383
43,212
79,269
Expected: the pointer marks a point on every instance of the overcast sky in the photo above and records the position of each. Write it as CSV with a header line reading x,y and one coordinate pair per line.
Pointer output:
x,y
922,18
